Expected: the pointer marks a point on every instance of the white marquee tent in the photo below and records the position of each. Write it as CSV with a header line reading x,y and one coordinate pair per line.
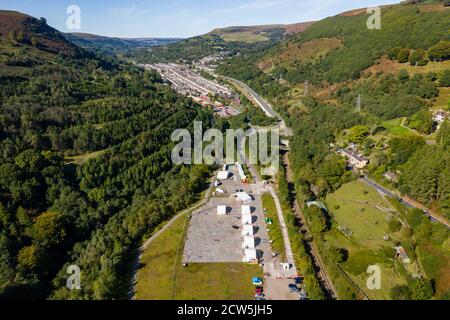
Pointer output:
x,y
249,242
246,210
222,210
223,175
243,197
250,255
248,230
247,220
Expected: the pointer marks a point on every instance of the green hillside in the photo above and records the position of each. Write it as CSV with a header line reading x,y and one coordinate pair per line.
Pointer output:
x,y
85,163
231,39
406,26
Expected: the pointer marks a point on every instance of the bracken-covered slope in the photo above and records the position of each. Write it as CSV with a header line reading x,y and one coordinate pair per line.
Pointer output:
x,y
24,29
341,47
231,39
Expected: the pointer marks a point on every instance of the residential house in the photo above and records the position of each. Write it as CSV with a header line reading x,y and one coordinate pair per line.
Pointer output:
x,y
355,159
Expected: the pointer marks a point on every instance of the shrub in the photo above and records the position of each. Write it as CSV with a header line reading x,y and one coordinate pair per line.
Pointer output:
x,y
403,55
400,293
394,226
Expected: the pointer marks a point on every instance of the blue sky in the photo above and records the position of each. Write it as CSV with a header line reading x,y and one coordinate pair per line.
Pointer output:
x,y
180,18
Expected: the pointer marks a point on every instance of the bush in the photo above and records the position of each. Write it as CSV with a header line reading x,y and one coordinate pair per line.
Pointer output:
x,y
445,79
400,293
395,226
403,55
421,289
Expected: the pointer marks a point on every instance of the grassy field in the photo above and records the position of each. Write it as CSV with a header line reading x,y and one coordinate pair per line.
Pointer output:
x,y
360,212
366,214
394,127
275,231
442,100
221,281
84,157
388,66
247,37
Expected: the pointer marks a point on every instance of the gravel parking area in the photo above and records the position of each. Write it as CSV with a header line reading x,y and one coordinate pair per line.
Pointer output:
x,y
214,238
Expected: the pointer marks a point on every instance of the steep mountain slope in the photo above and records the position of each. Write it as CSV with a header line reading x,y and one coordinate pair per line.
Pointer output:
x,y
114,45
84,163
23,29
252,34
232,39
347,46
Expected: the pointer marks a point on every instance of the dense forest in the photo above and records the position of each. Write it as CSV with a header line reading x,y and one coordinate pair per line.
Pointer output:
x,y
59,101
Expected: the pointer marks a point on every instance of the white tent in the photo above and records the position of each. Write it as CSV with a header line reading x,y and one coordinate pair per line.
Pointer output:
x,y
223,175
219,190
243,197
250,255
248,230
222,210
247,220
246,210
249,242
241,171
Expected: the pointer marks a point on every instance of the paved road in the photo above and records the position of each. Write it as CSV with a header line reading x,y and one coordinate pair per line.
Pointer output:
x,y
263,104
407,204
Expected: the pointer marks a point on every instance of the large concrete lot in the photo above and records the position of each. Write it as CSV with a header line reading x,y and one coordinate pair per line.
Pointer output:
x,y
212,238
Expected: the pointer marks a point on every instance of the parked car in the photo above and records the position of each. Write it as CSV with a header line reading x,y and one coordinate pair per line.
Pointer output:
x,y
293,288
257,281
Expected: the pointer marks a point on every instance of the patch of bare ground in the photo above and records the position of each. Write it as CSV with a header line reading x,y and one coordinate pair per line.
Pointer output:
x,y
433,8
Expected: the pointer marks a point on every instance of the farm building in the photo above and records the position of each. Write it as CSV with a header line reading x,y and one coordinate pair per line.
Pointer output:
x,y
400,254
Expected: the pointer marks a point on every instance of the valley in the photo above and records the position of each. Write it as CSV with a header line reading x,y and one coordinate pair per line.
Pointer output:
x,y
362,181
